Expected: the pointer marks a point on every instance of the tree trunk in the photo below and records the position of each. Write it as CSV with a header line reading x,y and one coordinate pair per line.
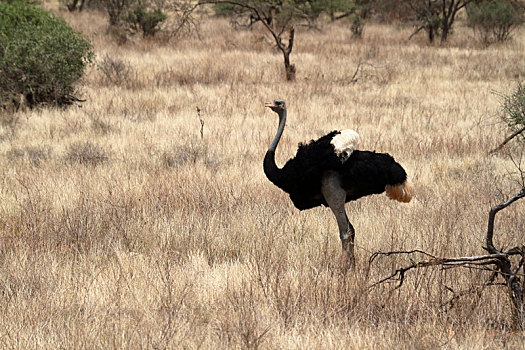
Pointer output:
x,y
81,7
289,68
72,6
444,33
512,280
430,33
515,293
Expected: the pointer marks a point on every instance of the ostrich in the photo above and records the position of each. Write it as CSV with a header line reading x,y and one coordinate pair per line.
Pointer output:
x,y
330,171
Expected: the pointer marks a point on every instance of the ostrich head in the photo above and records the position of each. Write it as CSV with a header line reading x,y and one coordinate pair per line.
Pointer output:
x,y
278,106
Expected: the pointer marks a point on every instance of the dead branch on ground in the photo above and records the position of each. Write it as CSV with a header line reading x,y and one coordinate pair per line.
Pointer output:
x,y
496,261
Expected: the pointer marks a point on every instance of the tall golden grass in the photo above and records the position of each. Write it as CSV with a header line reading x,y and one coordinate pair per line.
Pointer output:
x,y
127,223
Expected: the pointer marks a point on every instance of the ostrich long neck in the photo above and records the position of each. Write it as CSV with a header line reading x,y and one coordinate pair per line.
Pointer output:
x,y
273,173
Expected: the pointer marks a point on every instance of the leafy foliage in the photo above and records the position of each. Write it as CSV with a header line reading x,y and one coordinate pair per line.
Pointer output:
x,y
115,9
145,19
494,19
41,56
435,17
514,108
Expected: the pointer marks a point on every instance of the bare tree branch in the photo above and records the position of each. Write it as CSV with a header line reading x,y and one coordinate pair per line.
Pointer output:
x,y
465,261
509,138
420,28
376,254
492,215
346,14
500,260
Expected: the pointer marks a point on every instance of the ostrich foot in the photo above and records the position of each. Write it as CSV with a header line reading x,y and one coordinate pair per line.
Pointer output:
x,y
347,257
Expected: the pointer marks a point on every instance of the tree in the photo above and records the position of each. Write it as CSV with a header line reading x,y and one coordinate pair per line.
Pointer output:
x,y
436,17
357,11
494,20
276,17
74,5
304,12
115,9
281,16
147,20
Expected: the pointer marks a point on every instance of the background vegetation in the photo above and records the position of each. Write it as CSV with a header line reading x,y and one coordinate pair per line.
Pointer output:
x,y
144,220
495,20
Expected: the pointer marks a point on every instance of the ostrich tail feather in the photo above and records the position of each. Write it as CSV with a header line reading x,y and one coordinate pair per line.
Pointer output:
x,y
402,192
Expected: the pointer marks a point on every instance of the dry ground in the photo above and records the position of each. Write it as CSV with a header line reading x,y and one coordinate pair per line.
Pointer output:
x,y
122,226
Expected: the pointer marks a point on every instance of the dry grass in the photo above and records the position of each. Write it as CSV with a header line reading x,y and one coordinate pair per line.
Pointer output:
x,y
122,227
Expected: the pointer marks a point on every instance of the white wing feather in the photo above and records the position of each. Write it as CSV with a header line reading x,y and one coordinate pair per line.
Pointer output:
x,y
345,143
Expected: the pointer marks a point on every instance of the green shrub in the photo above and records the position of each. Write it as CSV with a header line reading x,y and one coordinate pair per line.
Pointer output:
x,y
514,108
513,115
41,56
147,20
494,20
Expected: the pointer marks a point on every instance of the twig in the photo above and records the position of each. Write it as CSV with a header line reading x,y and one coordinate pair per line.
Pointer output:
x,y
202,122
354,79
376,254
473,289
401,272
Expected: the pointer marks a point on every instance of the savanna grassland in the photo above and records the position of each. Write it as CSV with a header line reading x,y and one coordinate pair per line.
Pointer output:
x,y
143,219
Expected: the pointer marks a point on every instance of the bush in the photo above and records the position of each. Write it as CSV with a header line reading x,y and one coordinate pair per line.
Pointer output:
x,y
115,9
146,20
115,71
86,153
41,56
494,20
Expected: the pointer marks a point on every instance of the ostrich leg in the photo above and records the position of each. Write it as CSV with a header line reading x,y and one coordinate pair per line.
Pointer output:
x,y
335,197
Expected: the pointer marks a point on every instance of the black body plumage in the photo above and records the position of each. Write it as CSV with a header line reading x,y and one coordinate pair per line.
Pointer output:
x,y
362,174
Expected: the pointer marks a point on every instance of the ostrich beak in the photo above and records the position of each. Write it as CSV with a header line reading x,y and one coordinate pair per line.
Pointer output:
x,y
269,104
